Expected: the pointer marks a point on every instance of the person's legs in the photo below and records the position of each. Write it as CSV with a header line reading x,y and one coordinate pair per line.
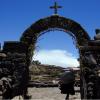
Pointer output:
x,y
67,96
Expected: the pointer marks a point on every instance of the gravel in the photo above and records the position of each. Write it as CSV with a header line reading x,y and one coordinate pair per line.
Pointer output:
x,y
50,94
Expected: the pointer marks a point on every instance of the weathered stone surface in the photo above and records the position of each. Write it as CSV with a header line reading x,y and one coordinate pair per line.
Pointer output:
x,y
14,66
14,46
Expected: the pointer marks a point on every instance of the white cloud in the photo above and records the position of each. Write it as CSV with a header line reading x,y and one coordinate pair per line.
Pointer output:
x,y
56,57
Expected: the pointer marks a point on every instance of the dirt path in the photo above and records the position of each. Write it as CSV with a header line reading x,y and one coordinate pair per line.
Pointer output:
x,y
50,94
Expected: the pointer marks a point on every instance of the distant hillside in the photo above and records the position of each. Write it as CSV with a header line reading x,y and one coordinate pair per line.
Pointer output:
x,y
41,72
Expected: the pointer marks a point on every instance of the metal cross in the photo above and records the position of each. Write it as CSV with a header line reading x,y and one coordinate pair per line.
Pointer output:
x,y
55,7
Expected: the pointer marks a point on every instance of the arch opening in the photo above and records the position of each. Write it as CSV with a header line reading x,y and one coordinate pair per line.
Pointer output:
x,y
56,46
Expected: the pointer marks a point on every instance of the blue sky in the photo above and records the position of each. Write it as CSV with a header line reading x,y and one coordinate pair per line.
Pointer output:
x,y
17,15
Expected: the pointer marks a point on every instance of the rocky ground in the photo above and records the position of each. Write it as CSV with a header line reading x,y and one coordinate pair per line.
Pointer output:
x,y
50,94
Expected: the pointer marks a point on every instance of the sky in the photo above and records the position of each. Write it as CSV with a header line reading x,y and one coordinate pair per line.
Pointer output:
x,y
17,15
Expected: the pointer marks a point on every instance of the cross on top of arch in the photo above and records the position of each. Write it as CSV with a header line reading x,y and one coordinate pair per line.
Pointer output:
x,y
55,7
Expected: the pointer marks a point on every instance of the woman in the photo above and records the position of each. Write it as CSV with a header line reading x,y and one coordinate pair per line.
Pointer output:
x,y
66,83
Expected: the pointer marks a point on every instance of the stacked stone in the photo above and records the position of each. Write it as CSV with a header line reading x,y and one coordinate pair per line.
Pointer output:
x,y
20,73
6,75
96,50
91,64
7,67
14,46
15,67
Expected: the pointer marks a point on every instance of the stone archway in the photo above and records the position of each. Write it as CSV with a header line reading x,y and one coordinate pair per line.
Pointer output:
x,y
69,26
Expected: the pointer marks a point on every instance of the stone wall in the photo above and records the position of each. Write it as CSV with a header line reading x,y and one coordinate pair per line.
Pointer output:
x,y
14,66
